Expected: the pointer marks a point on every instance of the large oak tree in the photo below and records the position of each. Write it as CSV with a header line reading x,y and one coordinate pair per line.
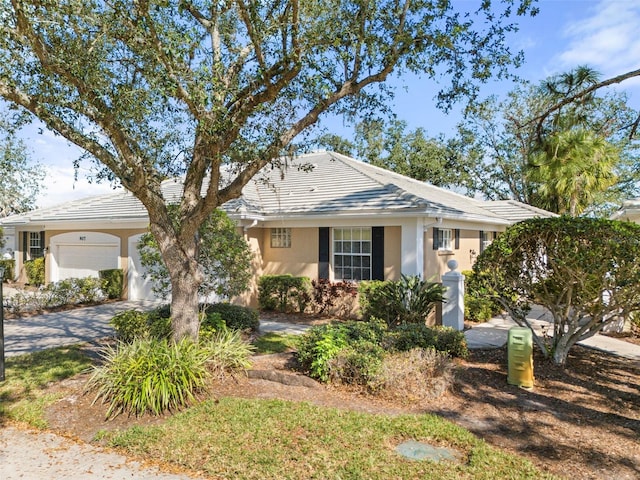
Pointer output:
x,y
156,88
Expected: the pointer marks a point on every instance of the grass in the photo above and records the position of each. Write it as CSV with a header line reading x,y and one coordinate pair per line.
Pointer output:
x,y
273,439
270,439
275,343
22,394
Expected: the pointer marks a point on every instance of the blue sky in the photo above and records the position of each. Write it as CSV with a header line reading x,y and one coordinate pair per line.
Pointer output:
x,y
602,34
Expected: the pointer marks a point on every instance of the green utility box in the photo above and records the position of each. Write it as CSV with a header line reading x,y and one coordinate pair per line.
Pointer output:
x,y
520,357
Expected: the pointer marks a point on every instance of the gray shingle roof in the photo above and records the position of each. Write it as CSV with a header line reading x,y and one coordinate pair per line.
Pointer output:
x,y
312,184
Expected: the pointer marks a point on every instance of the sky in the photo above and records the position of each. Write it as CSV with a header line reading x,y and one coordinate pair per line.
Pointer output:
x,y
602,34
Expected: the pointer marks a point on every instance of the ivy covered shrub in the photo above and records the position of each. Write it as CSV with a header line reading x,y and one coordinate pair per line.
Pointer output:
x,y
284,293
408,300
111,282
479,305
35,271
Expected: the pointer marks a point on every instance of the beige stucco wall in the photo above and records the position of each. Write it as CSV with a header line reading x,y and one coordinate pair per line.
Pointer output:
x,y
392,252
435,261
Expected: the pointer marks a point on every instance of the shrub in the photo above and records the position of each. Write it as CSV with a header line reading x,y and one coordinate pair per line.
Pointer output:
x,y
333,297
87,290
357,364
479,306
35,271
211,324
227,352
235,317
283,293
322,344
149,375
9,269
443,339
413,376
130,325
111,282
408,300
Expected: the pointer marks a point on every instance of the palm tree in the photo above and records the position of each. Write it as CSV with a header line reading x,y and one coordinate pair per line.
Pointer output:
x,y
571,168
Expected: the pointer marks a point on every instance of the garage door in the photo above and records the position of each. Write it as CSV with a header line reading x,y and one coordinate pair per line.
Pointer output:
x,y
79,261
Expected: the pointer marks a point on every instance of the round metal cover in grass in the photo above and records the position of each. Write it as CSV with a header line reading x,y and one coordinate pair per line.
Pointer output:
x,y
422,451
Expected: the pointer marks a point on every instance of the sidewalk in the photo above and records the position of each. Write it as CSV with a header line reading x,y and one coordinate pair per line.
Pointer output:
x,y
493,334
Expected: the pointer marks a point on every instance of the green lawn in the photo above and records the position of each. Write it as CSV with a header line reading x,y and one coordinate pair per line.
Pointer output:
x,y
269,439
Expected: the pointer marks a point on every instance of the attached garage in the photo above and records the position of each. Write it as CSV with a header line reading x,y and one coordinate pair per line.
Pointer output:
x,y
83,254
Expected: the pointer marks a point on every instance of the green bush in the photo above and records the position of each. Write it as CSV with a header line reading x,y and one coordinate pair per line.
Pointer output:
x,y
357,364
111,282
318,347
211,323
235,317
442,339
35,271
284,293
408,300
130,325
9,269
87,290
149,375
479,306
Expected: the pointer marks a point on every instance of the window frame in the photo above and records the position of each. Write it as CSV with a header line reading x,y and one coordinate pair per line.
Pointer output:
x,y
352,252
280,237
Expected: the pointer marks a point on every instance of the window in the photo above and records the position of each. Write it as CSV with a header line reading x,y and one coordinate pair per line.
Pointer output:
x,y
446,239
485,239
35,245
352,254
280,238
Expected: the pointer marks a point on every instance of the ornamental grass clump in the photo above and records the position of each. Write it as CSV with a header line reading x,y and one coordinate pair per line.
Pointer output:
x,y
227,352
149,376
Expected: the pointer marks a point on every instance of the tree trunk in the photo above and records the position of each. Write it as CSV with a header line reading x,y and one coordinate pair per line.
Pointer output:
x,y
180,258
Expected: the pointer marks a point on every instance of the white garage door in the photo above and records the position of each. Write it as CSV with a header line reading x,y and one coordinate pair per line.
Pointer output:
x,y
79,261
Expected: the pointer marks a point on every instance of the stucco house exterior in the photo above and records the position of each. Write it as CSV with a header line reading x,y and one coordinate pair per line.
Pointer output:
x,y
336,218
630,211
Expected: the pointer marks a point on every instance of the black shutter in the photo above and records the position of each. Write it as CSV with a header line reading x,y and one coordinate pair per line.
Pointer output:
x,y
377,253
436,242
323,253
42,244
457,234
481,242
25,245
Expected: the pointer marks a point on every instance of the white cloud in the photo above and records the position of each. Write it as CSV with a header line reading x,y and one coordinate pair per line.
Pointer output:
x,y
606,38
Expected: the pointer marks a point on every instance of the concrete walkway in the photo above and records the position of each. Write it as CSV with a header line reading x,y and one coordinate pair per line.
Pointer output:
x,y
493,334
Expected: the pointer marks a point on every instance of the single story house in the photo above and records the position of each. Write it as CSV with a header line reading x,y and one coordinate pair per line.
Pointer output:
x,y
338,218
630,211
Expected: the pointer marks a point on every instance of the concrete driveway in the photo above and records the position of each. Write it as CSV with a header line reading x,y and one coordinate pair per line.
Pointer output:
x,y
39,332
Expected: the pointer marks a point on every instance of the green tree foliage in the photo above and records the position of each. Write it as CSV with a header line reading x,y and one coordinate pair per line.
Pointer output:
x,y
21,179
152,89
582,157
585,271
224,258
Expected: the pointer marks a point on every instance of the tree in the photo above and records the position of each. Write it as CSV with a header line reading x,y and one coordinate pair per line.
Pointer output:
x,y
579,156
153,89
585,271
224,259
21,179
